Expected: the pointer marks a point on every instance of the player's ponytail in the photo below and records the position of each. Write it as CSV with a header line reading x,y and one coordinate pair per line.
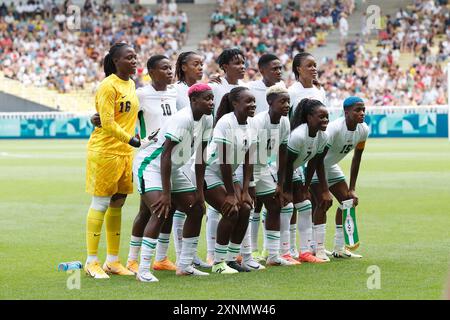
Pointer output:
x,y
226,104
304,108
225,107
108,64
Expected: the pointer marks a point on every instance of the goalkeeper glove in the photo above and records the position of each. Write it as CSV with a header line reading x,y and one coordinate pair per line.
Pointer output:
x,y
134,142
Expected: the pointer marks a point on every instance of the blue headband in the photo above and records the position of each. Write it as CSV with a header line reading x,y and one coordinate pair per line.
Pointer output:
x,y
350,101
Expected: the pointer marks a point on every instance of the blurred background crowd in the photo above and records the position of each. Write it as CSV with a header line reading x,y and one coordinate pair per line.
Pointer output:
x,y
403,62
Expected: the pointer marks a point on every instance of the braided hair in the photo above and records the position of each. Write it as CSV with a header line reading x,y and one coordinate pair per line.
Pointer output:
x,y
304,108
297,62
182,59
108,64
228,55
226,104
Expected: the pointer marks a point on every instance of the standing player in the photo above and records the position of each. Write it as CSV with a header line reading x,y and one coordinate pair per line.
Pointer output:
x,y
273,133
270,68
164,186
157,107
232,62
109,159
307,144
233,144
344,134
304,67
189,71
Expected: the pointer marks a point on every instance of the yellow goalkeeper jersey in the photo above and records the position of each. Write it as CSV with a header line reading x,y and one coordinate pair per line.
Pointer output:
x,y
117,103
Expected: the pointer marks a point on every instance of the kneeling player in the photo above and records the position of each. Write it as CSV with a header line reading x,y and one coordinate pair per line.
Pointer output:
x,y
307,143
344,134
273,134
166,187
233,141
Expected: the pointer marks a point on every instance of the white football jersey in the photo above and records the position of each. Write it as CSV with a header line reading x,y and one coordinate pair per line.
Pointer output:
x,y
259,89
219,90
186,132
182,95
238,136
304,146
270,137
297,92
155,108
341,140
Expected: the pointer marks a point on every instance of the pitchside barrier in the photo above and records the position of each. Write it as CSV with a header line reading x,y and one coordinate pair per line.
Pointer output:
x,y
388,122
33,125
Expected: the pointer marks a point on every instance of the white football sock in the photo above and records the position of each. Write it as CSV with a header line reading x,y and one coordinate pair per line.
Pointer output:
x,y
293,238
188,251
339,240
246,247
177,231
312,245
233,251
212,220
254,228
147,252
135,247
162,246
273,243
91,259
263,222
111,258
220,252
320,232
285,218
304,224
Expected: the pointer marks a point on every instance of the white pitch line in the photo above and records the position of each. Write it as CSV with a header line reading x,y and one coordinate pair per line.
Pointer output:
x,y
41,156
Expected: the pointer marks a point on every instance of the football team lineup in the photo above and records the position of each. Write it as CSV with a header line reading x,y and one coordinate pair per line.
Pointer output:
x,y
270,165
298,169
225,157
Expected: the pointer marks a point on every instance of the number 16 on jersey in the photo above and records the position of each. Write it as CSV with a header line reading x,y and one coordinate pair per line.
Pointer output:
x,y
349,224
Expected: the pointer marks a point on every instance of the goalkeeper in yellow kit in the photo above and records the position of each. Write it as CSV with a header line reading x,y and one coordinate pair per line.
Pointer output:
x,y
110,157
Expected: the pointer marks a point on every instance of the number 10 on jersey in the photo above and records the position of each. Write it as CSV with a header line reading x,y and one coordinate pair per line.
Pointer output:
x,y
166,109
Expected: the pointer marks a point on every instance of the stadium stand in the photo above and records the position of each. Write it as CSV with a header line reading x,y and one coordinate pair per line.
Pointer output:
x,y
405,65
43,54
42,60
383,76
282,28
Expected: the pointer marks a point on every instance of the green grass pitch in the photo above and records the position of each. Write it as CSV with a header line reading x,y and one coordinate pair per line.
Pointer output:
x,y
404,223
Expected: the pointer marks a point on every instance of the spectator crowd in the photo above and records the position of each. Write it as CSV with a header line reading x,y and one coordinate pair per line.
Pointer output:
x,y
38,47
421,30
47,45
258,26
